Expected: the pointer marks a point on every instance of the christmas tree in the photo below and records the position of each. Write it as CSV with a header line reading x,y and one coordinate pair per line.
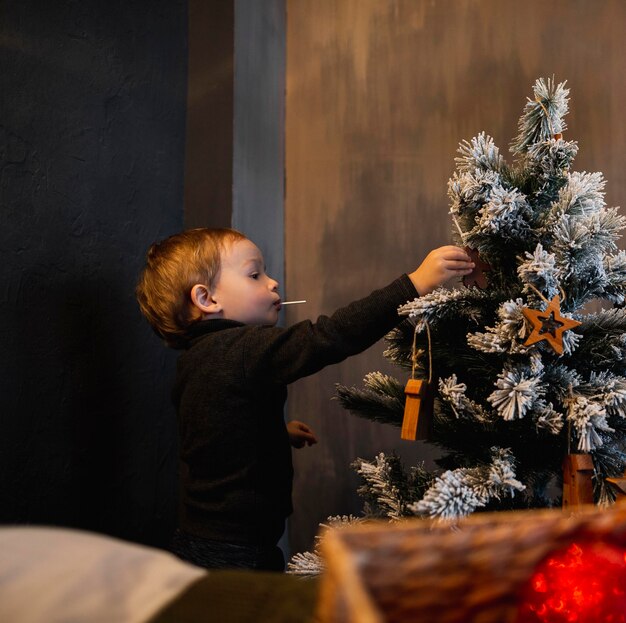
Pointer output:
x,y
522,374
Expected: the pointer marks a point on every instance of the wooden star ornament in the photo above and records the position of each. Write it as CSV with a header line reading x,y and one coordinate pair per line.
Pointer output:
x,y
548,325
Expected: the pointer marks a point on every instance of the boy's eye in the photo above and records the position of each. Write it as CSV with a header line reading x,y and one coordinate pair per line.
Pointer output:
x,y
254,275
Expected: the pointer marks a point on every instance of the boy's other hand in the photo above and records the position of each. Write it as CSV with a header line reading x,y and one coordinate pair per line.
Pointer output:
x,y
440,265
300,434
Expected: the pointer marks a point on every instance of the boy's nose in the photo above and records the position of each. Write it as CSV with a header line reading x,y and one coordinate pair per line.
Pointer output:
x,y
273,285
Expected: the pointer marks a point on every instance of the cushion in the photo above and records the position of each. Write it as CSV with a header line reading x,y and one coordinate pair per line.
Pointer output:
x,y
53,575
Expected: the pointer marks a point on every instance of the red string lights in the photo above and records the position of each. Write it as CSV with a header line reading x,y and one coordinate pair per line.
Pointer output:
x,y
584,583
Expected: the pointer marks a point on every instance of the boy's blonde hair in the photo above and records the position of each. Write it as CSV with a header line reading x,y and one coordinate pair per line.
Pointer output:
x,y
173,267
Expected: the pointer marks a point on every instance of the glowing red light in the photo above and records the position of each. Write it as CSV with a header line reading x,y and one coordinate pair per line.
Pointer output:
x,y
539,583
583,583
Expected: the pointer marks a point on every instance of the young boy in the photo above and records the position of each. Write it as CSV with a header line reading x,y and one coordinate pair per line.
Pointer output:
x,y
206,291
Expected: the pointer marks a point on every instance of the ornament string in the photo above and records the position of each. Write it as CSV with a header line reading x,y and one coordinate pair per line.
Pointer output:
x,y
550,127
542,297
569,436
414,352
458,227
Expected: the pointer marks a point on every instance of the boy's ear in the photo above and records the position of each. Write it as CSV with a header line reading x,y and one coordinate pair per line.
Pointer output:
x,y
202,299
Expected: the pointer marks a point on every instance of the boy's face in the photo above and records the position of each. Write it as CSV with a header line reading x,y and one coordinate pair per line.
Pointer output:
x,y
243,290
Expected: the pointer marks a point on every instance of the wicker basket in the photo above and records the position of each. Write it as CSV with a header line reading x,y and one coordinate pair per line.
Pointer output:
x,y
423,571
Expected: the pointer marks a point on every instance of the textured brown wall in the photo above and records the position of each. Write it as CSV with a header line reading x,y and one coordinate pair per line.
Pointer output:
x,y
379,93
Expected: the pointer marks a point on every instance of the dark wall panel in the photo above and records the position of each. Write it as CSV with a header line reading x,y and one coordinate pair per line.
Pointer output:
x,y
259,121
92,101
378,96
210,110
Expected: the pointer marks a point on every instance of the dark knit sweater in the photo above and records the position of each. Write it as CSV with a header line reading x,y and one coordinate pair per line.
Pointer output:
x,y
230,392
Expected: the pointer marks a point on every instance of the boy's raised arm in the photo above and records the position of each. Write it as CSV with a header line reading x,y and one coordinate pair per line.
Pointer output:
x,y
282,356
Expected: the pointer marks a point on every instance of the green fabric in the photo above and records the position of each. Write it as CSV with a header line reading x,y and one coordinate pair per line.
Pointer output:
x,y
243,597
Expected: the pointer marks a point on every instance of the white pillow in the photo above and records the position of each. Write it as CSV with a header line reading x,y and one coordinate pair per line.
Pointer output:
x,y
55,575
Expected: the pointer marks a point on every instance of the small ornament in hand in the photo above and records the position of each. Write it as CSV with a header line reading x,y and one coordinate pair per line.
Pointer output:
x,y
478,277
549,325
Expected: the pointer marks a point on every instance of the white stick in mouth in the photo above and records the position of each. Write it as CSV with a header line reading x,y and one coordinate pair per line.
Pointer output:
x,y
292,302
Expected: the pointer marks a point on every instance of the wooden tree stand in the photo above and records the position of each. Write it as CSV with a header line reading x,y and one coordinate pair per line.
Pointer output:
x,y
424,571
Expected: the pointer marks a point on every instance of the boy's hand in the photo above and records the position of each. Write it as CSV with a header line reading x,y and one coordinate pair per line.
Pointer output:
x,y
440,265
300,434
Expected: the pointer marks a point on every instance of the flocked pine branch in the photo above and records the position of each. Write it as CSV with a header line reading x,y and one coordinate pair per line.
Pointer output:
x,y
544,173
388,489
583,194
615,277
381,400
307,564
507,335
311,564
457,493
609,462
517,391
442,305
481,153
604,346
543,115
454,394
539,270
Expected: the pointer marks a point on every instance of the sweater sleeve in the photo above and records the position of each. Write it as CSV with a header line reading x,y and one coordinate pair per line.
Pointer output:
x,y
282,356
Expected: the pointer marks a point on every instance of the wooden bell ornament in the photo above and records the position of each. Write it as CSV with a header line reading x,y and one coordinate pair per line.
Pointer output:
x,y
418,407
577,483
416,421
